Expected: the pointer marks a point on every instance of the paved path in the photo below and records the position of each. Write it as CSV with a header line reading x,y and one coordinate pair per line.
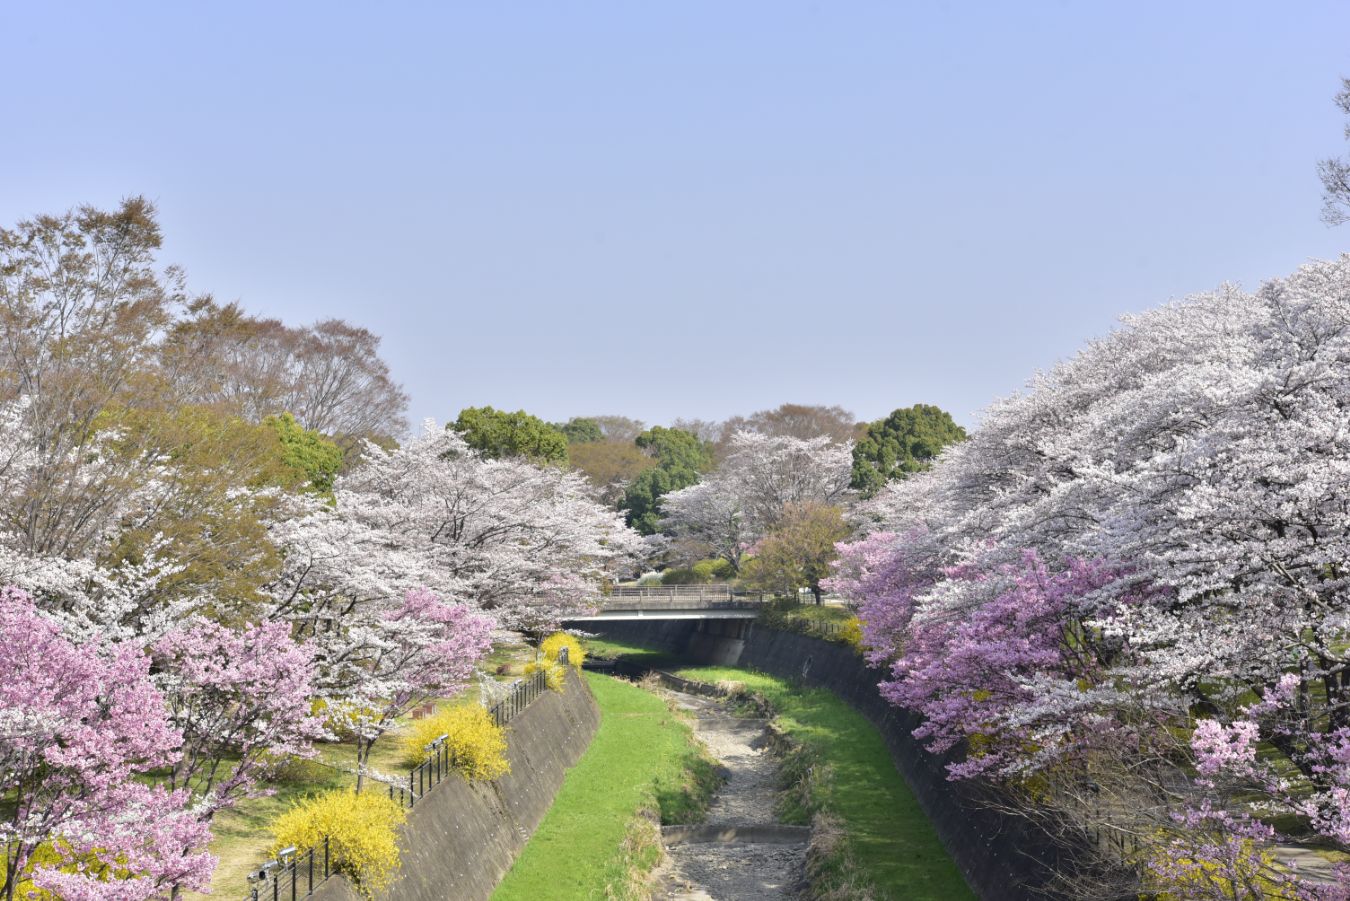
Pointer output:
x,y
736,871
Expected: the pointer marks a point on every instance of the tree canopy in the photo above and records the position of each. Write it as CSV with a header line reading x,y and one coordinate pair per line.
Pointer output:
x,y
681,459
580,430
746,497
799,551
191,569
804,421
1335,172
905,442
618,428
497,435
1129,585
307,453
609,466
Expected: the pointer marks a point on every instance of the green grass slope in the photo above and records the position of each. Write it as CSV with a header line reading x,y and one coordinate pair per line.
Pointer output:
x,y
599,838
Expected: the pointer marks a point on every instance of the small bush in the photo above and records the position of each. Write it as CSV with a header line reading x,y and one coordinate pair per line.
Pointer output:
x,y
712,568
649,579
553,645
361,831
477,746
679,576
851,633
701,573
554,674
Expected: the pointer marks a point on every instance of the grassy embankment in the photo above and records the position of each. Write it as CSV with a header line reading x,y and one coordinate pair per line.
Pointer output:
x,y
243,833
599,839
847,775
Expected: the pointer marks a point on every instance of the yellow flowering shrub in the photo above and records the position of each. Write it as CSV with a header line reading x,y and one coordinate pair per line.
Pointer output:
x,y
477,746
361,830
554,674
1176,876
553,645
47,855
851,633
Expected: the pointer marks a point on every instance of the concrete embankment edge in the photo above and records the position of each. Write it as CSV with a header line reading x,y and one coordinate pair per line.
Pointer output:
x,y
1001,856
462,837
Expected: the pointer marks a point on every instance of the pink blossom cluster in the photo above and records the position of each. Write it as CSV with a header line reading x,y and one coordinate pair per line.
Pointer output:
x,y
238,695
79,726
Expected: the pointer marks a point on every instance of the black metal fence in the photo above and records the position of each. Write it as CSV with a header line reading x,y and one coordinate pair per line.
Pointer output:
x,y
295,874
522,695
425,776
292,875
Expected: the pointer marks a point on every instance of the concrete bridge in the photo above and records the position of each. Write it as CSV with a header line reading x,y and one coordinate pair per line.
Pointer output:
x,y
697,602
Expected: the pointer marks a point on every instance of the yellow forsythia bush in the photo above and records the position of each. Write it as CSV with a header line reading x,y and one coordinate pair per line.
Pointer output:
x,y
46,855
361,830
851,633
1188,877
553,645
554,674
477,746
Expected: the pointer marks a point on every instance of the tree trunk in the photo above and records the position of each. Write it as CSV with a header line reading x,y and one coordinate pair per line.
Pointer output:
x,y
817,593
362,754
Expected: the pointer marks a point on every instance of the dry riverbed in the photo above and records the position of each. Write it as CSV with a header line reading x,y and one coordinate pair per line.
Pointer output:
x,y
734,870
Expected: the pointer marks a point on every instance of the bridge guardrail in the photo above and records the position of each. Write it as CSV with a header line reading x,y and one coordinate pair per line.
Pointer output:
x,y
681,597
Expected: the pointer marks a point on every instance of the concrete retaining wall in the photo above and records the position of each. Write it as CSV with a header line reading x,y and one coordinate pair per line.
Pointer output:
x,y
1001,856
462,837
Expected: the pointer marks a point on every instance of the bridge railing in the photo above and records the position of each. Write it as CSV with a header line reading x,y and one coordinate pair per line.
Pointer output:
x,y
653,599
672,591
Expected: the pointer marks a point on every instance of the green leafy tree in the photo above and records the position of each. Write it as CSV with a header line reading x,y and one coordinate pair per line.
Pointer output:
x,y
580,430
906,441
681,460
498,434
798,553
214,532
306,452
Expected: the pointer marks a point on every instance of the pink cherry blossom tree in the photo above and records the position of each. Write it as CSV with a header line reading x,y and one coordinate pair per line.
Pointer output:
x,y
78,725
241,699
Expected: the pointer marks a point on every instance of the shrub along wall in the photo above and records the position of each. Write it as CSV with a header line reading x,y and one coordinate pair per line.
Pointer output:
x,y
463,836
1001,856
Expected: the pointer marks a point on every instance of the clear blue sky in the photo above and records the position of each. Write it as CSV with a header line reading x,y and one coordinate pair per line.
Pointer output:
x,y
697,209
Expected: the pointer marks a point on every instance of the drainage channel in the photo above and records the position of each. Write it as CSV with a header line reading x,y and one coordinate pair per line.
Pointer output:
x,y
741,853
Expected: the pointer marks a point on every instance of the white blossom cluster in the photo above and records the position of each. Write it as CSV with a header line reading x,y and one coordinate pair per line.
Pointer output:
x,y
1204,446
761,476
